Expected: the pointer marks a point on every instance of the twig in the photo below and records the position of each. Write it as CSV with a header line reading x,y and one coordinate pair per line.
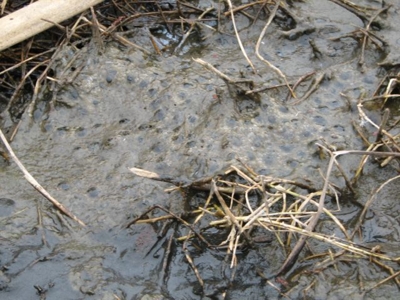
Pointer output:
x,y
365,38
312,89
228,212
116,36
219,73
154,43
271,17
383,281
155,176
244,6
238,37
21,84
35,184
291,259
368,204
379,97
351,9
166,260
174,216
186,35
97,39
27,60
38,83
264,88
236,230
385,118
300,80
386,267
40,223
27,21
193,266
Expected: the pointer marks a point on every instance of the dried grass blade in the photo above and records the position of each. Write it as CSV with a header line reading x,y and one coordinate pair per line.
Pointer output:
x,y
262,34
238,37
35,184
368,204
291,259
144,173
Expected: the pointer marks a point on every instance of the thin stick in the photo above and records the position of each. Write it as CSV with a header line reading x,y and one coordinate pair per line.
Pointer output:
x,y
291,259
40,223
21,84
366,36
186,35
219,73
42,77
368,204
98,41
26,60
166,260
271,17
264,88
238,37
312,89
229,214
174,216
351,9
385,118
383,281
116,36
300,80
154,43
193,266
35,184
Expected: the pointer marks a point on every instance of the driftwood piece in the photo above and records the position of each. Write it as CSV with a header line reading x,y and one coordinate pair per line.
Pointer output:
x,y
37,17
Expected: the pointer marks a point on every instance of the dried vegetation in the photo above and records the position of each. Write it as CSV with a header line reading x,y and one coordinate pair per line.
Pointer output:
x,y
242,205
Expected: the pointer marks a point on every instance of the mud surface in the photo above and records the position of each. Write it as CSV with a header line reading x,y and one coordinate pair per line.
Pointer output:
x,y
170,115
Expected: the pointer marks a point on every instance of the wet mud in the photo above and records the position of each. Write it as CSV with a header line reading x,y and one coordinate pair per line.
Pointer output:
x,y
170,115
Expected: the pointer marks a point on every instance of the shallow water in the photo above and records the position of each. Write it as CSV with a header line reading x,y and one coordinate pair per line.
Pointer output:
x,y
172,116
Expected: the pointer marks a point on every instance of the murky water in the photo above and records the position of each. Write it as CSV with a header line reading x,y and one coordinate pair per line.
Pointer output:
x,y
170,115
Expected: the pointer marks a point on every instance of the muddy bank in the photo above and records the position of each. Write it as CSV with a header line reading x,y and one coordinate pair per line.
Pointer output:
x,y
172,116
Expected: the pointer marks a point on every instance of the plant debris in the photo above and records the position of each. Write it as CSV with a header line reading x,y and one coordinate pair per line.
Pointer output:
x,y
241,200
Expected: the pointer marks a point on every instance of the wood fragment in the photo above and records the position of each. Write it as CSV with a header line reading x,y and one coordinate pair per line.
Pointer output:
x,y
29,21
